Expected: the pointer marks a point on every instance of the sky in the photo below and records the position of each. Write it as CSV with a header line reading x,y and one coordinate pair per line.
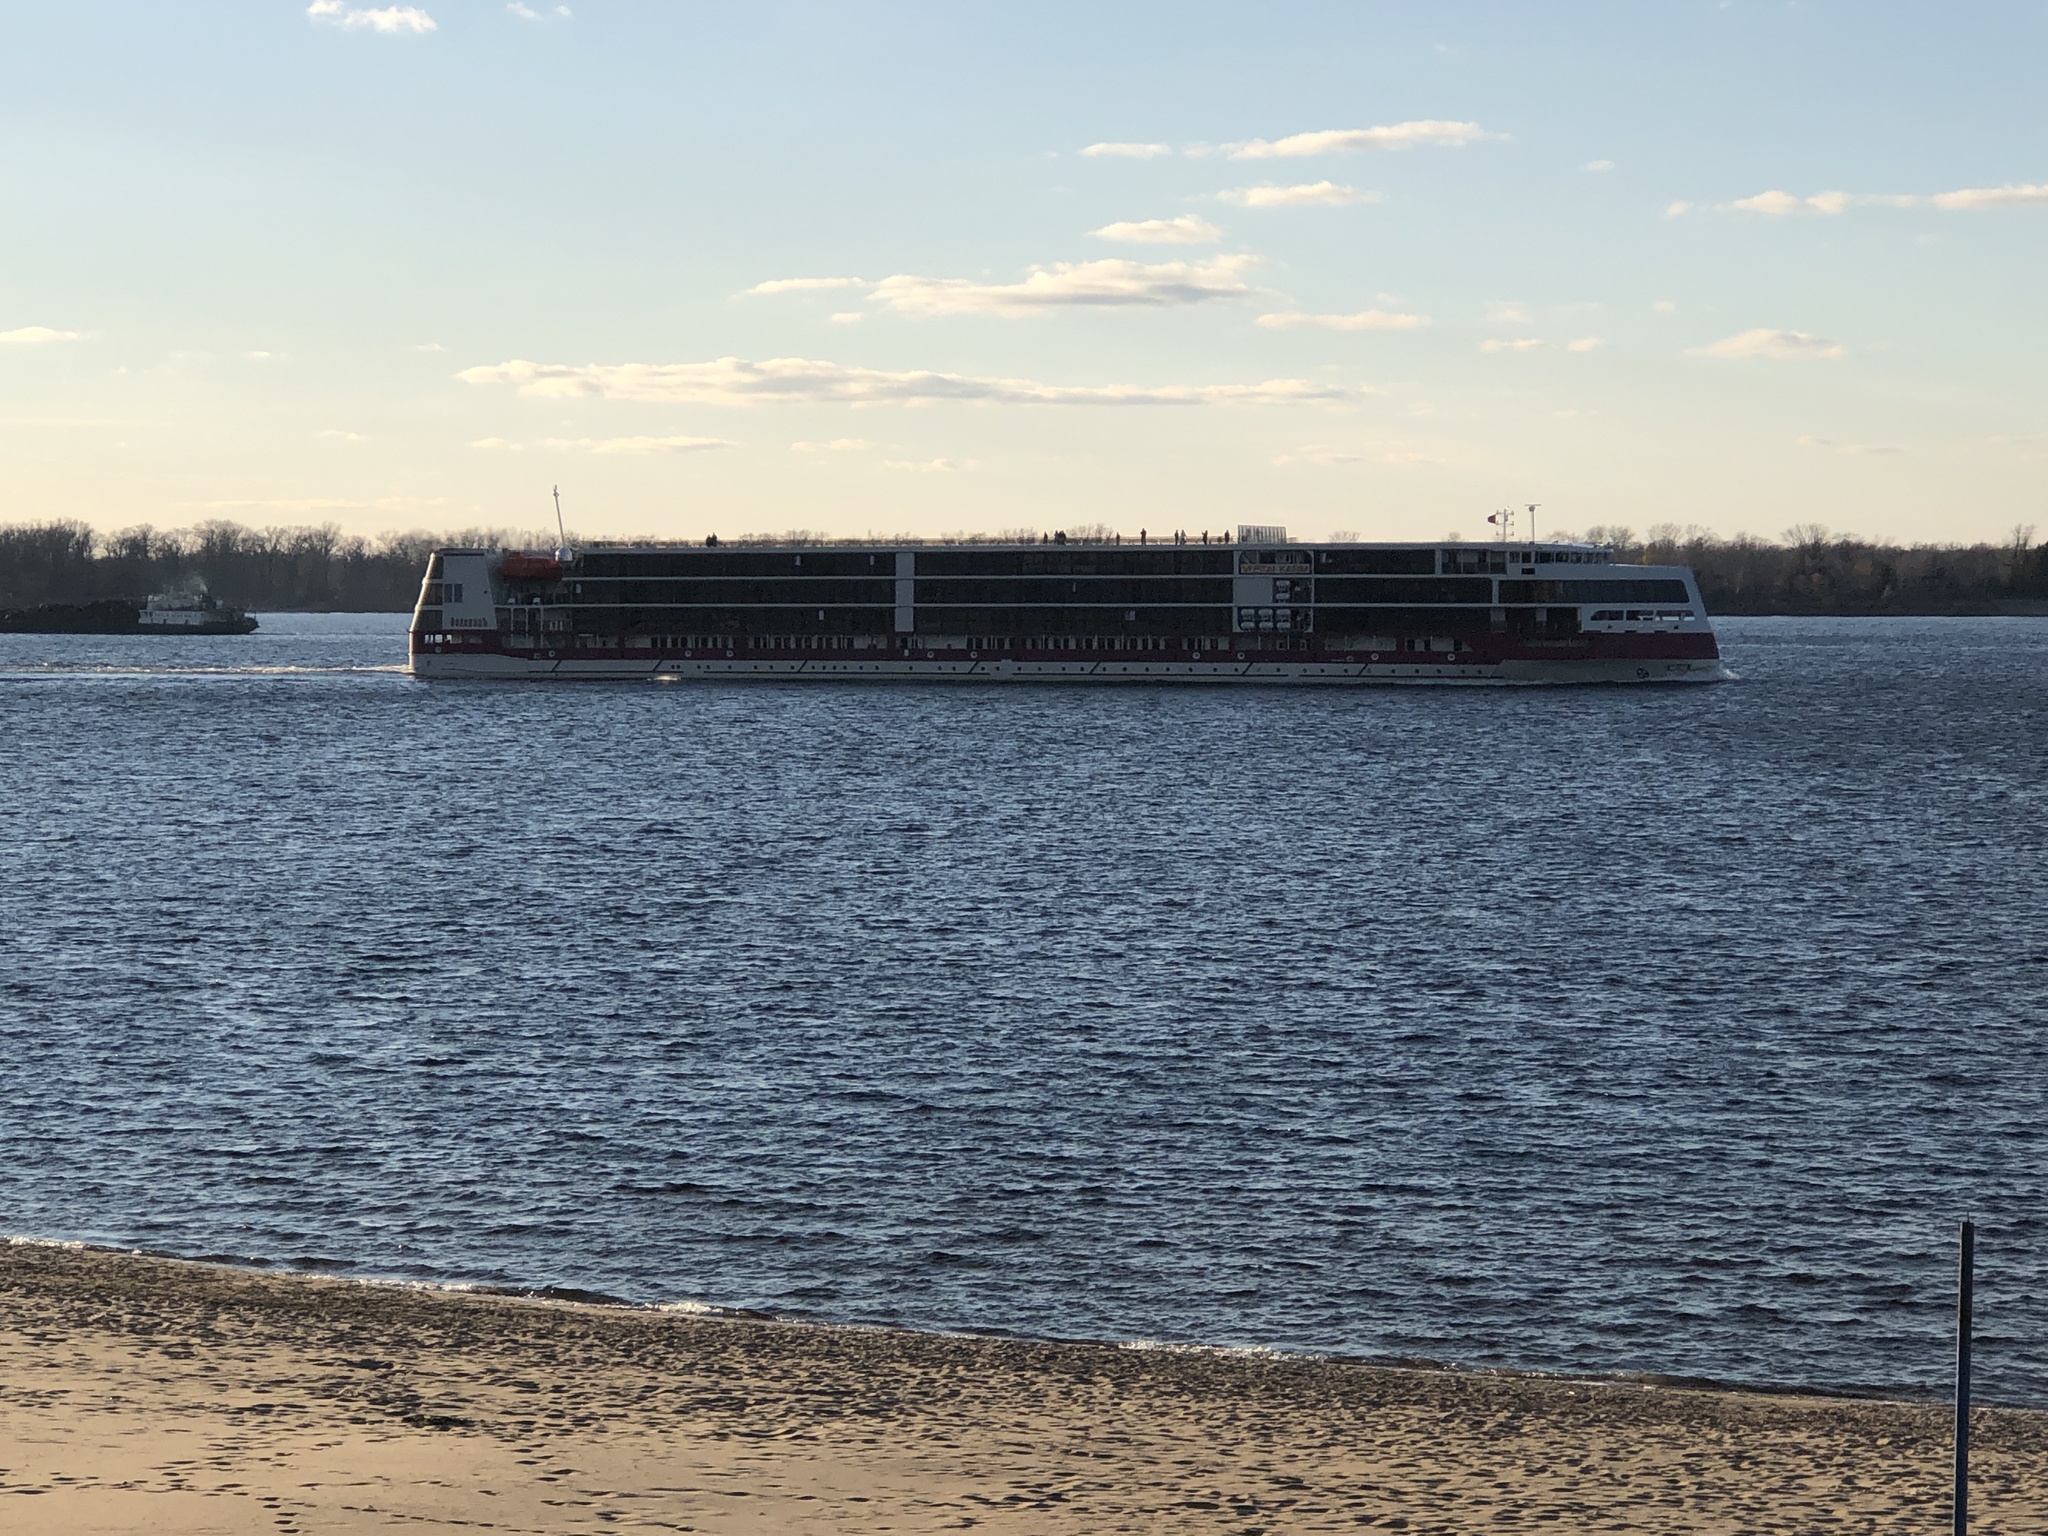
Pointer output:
x,y
853,268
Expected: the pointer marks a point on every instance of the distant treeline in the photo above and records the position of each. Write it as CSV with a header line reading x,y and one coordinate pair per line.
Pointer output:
x,y
1811,571
316,570
323,570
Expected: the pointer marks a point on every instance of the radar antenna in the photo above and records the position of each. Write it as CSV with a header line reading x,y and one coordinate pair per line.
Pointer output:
x,y
1532,520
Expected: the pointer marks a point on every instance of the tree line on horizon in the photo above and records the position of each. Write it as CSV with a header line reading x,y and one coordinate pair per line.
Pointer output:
x,y
283,570
1812,571
277,570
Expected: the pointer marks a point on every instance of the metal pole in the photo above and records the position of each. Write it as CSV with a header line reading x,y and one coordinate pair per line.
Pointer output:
x,y
1966,1266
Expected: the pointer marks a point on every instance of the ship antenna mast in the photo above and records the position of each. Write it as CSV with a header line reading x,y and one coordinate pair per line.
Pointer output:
x,y
1532,520
561,533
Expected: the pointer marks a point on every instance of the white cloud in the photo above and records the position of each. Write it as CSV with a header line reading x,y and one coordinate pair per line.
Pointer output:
x,y
430,346
1597,165
1764,342
1188,229
847,317
390,20
1778,204
932,466
1318,454
2014,195
1673,210
733,381
1500,312
1330,141
1585,344
835,445
1326,193
1363,320
1832,446
336,434
528,13
1127,151
638,445
1110,283
1664,307
262,357
34,336
1512,344
806,284
632,445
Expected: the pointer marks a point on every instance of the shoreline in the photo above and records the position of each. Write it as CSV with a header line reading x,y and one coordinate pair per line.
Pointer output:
x,y
141,1392
340,1272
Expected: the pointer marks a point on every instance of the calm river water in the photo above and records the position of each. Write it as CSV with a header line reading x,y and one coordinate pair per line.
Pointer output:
x,y
1591,1030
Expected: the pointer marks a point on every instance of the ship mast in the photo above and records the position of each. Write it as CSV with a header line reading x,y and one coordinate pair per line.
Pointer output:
x,y
561,534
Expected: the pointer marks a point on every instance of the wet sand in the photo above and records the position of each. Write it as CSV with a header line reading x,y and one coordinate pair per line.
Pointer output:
x,y
145,1394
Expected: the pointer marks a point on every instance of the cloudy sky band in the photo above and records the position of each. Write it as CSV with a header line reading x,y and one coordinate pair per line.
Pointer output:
x,y
733,381
1140,247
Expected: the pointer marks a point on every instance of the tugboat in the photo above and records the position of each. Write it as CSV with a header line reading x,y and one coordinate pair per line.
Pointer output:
x,y
167,613
191,613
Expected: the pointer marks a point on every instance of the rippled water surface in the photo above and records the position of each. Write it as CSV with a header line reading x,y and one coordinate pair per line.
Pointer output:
x,y
1594,1029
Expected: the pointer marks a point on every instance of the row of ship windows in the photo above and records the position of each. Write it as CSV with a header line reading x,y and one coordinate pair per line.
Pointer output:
x,y
1099,560
971,642
1018,593
1163,622
1195,644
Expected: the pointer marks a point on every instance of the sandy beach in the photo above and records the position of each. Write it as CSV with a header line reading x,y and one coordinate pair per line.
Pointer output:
x,y
147,1394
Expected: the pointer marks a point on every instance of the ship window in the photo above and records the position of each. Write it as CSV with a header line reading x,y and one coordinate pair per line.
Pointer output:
x,y
453,589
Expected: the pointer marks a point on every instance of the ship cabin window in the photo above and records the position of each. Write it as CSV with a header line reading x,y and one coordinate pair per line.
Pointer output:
x,y
453,589
1608,616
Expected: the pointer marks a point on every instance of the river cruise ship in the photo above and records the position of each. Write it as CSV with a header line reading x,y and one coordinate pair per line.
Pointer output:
x,y
1256,609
